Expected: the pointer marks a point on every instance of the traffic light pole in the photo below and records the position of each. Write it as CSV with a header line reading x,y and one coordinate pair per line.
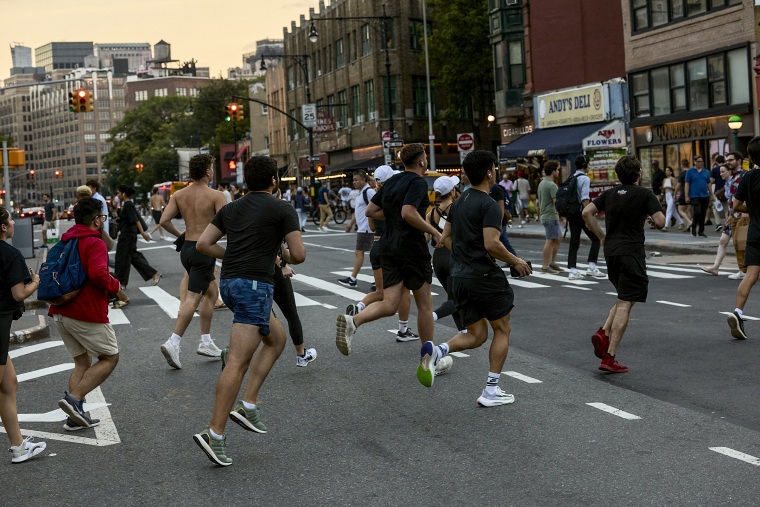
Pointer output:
x,y
6,175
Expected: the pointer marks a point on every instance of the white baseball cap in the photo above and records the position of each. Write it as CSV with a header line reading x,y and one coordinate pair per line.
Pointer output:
x,y
383,173
445,184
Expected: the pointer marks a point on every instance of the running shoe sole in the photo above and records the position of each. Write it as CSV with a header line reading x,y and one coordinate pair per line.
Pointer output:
x,y
244,423
72,412
169,359
207,353
599,348
207,449
67,427
736,328
347,284
488,402
426,368
342,341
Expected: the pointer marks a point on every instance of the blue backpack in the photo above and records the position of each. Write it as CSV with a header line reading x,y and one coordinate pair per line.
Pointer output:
x,y
62,275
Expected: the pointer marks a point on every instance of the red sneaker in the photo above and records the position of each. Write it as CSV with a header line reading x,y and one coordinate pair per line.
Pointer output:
x,y
611,365
601,343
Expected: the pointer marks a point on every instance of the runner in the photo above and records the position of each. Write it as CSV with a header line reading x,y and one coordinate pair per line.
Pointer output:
x,y
255,225
481,290
198,204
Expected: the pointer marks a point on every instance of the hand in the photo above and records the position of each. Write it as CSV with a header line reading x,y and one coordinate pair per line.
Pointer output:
x,y
522,268
288,272
122,296
35,277
145,236
348,228
688,200
436,236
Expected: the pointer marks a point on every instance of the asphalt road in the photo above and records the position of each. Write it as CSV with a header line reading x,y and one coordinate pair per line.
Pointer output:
x,y
360,430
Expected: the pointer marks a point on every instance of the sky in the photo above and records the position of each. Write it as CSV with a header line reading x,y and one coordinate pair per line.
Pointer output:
x,y
215,33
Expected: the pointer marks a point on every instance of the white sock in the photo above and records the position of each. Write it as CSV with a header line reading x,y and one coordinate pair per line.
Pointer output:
x,y
214,435
591,266
463,331
351,278
435,317
175,341
741,314
249,406
361,306
444,348
206,339
492,383
573,270
402,325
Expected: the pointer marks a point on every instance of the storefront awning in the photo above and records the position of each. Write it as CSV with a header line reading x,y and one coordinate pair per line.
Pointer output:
x,y
550,142
353,165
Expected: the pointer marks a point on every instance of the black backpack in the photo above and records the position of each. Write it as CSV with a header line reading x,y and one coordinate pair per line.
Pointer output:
x,y
567,198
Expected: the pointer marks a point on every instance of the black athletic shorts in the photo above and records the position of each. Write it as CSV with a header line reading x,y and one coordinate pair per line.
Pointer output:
x,y
413,272
374,257
628,273
5,336
156,216
751,256
490,298
199,267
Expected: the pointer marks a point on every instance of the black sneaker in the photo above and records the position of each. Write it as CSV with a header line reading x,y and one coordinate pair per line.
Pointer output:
x,y
406,336
74,408
736,324
373,288
719,228
352,310
347,282
70,425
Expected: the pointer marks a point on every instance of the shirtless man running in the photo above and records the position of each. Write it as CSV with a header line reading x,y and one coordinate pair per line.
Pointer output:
x,y
198,204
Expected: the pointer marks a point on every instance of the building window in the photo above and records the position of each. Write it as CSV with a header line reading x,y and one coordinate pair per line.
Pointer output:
x,y
141,95
698,86
716,75
369,99
498,66
419,96
678,87
516,66
640,14
340,57
655,13
641,94
331,106
264,110
356,107
348,47
182,92
738,76
366,41
416,35
343,108
393,99
660,91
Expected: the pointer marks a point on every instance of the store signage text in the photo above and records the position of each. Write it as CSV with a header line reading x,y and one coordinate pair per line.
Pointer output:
x,y
571,107
683,130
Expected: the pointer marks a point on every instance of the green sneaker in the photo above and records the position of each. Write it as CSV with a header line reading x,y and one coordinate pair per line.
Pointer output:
x,y
214,448
247,419
426,368
225,352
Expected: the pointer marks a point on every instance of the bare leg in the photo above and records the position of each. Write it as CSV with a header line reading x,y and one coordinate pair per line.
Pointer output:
x,y
724,239
476,335
742,293
264,359
547,254
619,324
81,364
358,261
405,306
497,354
207,307
384,308
183,287
8,412
378,294
187,308
94,375
424,301
555,249
244,340
610,317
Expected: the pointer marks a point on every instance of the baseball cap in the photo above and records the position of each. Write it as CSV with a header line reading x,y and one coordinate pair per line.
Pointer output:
x,y
445,184
383,173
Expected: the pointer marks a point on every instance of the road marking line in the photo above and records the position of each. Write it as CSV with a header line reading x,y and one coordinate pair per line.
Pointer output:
x,y
727,451
614,411
576,287
56,415
33,348
565,279
612,293
302,300
669,276
50,370
329,307
105,433
745,316
149,248
524,378
117,317
519,282
668,267
328,247
458,354
168,303
58,436
673,304
353,295
371,279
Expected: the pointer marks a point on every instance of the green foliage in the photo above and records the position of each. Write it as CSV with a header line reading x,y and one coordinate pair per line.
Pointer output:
x,y
461,54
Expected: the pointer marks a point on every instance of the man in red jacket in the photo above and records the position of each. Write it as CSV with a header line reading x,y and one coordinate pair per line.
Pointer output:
x,y
83,323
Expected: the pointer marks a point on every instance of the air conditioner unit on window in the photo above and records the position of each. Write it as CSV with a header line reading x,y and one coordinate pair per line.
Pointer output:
x,y
338,124
512,2
372,115
360,119
348,122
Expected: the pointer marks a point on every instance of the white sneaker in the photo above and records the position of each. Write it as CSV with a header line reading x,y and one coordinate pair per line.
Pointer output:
x,y
493,400
444,365
344,333
595,273
210,350
308,356
737,276
522,222
171,353
26,450
575,276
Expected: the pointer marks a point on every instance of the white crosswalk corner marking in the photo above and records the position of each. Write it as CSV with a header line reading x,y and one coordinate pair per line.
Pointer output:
x,y
614,411
524,378
727,451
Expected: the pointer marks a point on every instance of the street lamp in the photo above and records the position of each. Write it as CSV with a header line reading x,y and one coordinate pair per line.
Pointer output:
x,y
301,60
314,35
735,124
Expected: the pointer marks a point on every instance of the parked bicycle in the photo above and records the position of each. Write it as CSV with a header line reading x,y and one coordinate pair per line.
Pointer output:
x,y
339,214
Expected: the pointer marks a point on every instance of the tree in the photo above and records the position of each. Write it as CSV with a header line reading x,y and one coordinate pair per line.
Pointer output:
x,y
460,51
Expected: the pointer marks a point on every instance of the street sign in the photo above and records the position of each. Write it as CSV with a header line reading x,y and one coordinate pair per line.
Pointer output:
x,y
465,142
386,136
393,144
309,115
388,159
315,158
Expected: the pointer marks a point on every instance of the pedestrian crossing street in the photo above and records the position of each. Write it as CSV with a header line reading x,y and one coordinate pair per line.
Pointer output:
x,y
339,296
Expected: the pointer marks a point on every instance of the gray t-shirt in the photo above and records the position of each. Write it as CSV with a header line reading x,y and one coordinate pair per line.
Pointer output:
x,y
546,192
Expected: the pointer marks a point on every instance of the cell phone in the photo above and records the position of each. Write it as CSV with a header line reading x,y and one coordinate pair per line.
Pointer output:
x,y
513,272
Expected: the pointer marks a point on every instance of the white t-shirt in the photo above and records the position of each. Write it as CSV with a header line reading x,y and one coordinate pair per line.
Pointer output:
x,y
227,196
352,198
362,223
344,192
523,187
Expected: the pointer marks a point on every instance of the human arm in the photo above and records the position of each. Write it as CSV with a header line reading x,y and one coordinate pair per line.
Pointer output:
x,y
169,213
374,211
589,216
296,250
446,237
497,250
95,262
351,224
657,220
23,290
207,243
410,216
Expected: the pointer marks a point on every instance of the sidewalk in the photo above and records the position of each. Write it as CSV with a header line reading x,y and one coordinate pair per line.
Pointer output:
x,y
673,241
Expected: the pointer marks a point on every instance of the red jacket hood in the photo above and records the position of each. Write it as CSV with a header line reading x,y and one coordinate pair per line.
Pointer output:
x,y
78,232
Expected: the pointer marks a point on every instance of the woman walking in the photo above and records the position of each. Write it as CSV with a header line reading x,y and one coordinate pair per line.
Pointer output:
x,y
16,284
130,223
683,208
303,207
668,186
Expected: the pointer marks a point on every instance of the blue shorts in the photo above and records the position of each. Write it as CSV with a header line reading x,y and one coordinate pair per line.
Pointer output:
x,y
551,229
249,300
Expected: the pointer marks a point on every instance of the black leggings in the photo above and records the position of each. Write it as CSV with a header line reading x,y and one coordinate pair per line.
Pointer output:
x,y
5,336
441,259
286,300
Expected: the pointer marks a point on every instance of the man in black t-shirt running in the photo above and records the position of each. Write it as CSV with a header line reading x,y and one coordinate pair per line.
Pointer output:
x,y
627,208
403,252
255,225
480,288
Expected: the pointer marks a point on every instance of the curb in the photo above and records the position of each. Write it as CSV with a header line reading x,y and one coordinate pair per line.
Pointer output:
x,y
38,332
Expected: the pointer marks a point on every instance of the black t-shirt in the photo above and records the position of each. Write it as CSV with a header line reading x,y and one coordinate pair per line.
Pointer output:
x,y
627,208
657,179
400,238
469,215
749,192
255,226
12,271
499,193
128,217
379,227
48,207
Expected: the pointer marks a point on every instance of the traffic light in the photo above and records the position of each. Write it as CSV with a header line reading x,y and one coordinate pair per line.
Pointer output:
x,y
139,167
240,113
58,174
73,100
81,101
234,111
31,174
232,165
320,169
88,102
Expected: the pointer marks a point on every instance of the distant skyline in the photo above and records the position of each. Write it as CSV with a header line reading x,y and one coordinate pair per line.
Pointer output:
x,y
216,35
